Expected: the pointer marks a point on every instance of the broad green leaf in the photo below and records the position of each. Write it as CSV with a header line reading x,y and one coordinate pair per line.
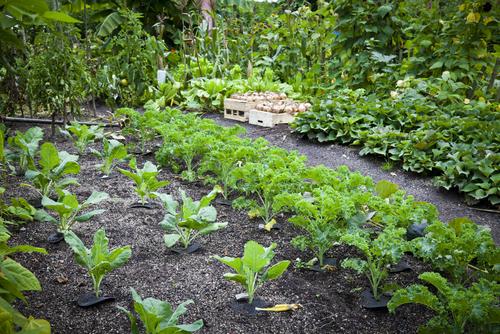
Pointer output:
x,y
386,188
60,16
277,270
49,156
171,239
95,197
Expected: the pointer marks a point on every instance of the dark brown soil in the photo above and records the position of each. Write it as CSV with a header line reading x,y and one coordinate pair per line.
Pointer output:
x,y
331,301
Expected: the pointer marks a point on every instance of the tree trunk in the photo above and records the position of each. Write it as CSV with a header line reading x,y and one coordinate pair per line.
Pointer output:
x,y
207,11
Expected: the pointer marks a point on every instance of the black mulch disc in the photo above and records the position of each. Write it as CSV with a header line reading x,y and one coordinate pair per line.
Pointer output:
x,y
243,307
223,201
139,205
55,237
415,231
90,299
191,249
400,267
328,262
369,302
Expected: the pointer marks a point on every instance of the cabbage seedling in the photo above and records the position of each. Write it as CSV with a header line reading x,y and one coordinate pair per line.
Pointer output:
x,y
159,317
24,147
252,270
54,167
68,209
112,150
195,218
144,179
98,260
82,135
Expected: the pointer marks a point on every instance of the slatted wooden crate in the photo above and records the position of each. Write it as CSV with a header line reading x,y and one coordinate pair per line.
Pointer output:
x,y
237,109
268,119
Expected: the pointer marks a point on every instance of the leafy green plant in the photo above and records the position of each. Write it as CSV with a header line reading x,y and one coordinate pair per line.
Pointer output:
x,y
219,164
278,172
24,146
194,218
128,74
323,215
144,179
82,135
99,260
158,316
55,166
68,209
111,150
253,270
454,247
14,281
386,249
18,212
459,309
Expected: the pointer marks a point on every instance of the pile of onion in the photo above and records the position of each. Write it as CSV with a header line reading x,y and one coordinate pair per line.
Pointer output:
x,y
283,106
259,96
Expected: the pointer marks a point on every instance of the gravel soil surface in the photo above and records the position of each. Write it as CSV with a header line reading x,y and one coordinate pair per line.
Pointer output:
x,y
330,300
450,203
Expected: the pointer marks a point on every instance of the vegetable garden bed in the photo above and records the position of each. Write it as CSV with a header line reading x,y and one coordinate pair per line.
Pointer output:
x,y
330,300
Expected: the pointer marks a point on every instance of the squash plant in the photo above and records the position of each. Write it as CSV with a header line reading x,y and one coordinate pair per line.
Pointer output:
x,y
253,269
158,317
144,178
98,260
55,166
82,135
195,218
458,309
387,248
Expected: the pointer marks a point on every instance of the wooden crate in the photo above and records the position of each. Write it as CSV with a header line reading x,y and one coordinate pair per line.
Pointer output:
x,y
237,109
268,119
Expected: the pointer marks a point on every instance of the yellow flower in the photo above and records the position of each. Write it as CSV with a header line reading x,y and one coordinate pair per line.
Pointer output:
x,y
466,101
473,17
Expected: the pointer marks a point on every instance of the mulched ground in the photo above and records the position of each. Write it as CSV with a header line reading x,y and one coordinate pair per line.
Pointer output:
x,y
331,301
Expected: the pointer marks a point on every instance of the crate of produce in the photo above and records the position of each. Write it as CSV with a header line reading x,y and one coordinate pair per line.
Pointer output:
x,y
268,119
270,113
238,105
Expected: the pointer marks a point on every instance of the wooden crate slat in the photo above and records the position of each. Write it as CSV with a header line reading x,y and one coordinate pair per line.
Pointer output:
x,y
268,119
